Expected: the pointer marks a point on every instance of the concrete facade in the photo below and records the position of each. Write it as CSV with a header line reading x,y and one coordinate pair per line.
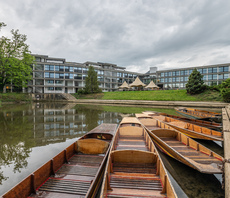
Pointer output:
x,y
56,75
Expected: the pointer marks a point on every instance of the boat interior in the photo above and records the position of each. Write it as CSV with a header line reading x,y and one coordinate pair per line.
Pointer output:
x,y
192,127
75,172
181,147
134,168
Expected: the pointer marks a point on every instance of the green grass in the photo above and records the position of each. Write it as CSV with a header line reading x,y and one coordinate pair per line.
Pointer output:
x,y
15,97
157,95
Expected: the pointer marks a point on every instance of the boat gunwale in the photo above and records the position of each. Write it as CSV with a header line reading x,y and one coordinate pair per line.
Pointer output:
x,y
176,152
65,159
151,150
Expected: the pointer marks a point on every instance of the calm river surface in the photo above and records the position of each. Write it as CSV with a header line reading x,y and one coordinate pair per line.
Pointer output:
x,y
32,134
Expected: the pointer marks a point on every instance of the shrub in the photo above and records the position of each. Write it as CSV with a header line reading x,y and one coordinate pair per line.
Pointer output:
x,y
225,93
195,83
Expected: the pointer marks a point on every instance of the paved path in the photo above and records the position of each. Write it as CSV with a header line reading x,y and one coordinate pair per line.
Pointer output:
x,y
155,103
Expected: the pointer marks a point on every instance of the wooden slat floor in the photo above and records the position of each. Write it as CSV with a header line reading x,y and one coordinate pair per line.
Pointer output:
x,y
134,180
72,179
189,152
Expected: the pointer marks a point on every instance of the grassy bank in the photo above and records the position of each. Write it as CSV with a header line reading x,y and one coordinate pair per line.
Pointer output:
x,y
15,97
158,95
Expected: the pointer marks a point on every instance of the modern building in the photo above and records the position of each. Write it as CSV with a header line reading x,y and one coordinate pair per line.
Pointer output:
x,y
177,78
56,75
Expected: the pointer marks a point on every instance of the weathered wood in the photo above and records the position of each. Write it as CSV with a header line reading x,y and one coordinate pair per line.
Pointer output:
x,y
82,174
184,149
226,134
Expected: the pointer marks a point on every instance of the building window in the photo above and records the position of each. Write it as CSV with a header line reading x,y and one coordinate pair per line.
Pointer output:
x,y
177,73
214,76
56,68
162,80
166,79
166,74
190,71
57,75
170,73
186,78
162,74
58,88
50,88
182,73
186,72
170,79
177,79
224,69
58,81
226,76
50,81
71,69
173,73
181,79
204,77
174,79
209,77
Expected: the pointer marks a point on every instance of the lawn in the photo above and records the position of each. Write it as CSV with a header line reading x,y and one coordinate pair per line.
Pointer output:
x,y
157,95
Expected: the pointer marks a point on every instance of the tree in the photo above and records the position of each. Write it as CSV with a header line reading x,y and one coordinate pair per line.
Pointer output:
x,y
91,83
15,60
195,83
225,90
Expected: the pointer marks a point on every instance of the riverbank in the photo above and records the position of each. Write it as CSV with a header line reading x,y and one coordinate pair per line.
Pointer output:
x,y
15,98
156,95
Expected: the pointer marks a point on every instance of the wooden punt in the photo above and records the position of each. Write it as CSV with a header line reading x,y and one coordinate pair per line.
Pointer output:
x,y
134,168
208,124
75,172
191,130
181,147
199,114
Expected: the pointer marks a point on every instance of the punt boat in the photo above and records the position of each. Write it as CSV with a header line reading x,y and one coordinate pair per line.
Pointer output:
x,y
208,124
181,147
75,172
191,130
134,168
199,114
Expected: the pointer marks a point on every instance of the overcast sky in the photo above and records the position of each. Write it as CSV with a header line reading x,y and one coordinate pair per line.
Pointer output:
x,y
131,33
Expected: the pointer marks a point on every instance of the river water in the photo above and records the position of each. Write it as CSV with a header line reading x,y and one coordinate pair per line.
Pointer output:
x,y
32,134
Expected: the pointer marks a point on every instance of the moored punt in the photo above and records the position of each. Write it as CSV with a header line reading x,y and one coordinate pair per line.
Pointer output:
x,y
199,114
191,130
203,123
134,168
181,147
75,172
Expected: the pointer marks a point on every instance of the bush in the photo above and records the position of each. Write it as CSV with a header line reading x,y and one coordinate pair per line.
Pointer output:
x,y
225,90
195,83
225,93
215,87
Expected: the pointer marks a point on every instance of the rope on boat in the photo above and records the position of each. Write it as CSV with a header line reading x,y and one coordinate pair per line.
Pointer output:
x,y
223,171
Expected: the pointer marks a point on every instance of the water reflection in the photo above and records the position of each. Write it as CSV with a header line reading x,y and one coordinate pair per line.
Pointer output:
x,y
26,127
30,135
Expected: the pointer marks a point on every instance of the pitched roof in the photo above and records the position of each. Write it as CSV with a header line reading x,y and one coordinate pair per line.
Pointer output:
x,y
137,83
124,85
151,85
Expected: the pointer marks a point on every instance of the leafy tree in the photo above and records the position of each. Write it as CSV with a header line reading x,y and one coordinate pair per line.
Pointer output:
x,y
91,83
15,60
195,83
225,90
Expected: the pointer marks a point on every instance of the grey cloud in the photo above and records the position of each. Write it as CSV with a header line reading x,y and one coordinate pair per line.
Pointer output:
x,y
135,34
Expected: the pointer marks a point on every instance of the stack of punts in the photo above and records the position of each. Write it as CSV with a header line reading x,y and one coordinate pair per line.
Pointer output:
x,y
199,114
203,123
181,147
134,168
75,172
191,130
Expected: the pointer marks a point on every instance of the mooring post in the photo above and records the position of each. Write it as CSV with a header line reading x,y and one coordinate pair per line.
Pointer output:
x,y
226,135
